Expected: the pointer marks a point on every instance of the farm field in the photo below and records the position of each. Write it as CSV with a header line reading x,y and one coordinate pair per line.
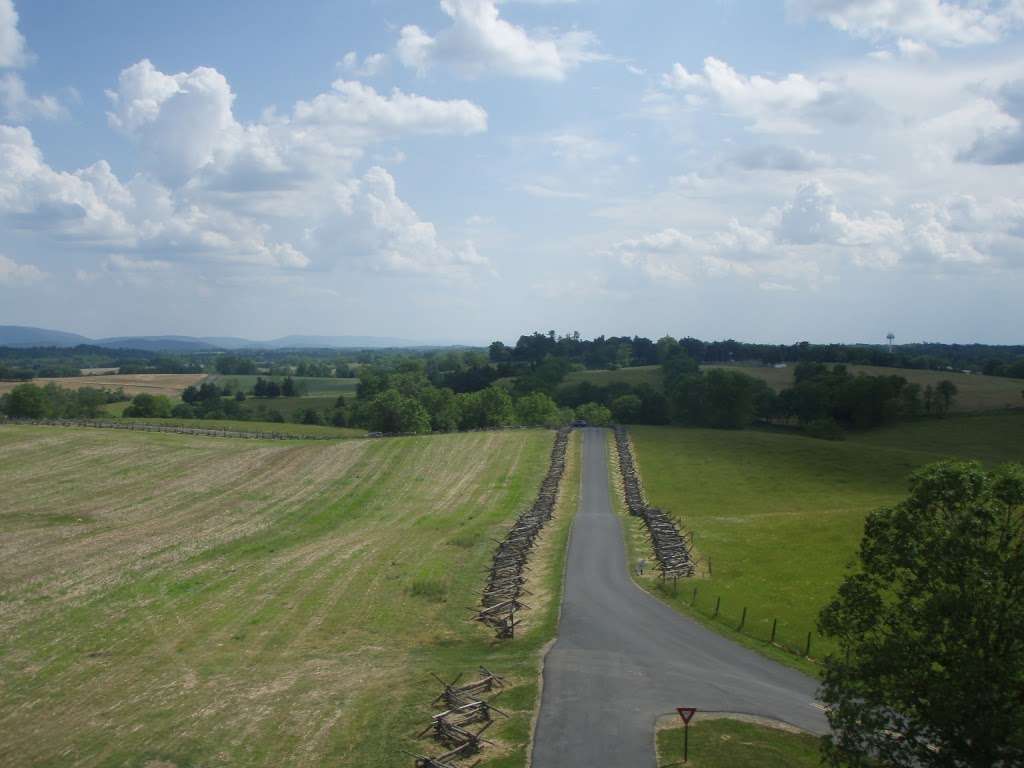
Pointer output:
x,y
641,374
170,384
284,428
314,386
287,406
177,601
780,515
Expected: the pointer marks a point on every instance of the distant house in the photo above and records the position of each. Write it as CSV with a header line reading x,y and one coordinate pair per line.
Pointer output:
x,y
779,365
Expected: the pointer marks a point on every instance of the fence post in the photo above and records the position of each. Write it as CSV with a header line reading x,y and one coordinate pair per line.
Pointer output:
x,y
743,620
718,604
775,623
807,652
693,599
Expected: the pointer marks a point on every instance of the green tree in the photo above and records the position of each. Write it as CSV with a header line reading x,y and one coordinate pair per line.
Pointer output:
x,y
946,392
149,407
443,408
391,411
26,401
930,627
536,409
594,414
627,409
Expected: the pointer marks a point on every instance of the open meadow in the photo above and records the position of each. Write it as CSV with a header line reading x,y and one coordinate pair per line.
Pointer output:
x,y
311,386
170,384
780,515
172,601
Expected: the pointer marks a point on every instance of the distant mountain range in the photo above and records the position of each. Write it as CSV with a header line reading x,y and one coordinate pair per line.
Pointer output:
x,y
26,336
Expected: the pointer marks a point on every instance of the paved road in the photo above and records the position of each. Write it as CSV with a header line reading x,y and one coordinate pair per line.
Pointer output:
x,y
622,658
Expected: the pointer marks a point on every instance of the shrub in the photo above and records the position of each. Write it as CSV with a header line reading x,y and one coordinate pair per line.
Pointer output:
x,y
824,429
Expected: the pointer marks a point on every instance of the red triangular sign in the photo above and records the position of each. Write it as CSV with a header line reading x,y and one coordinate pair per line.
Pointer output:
x,y
686,713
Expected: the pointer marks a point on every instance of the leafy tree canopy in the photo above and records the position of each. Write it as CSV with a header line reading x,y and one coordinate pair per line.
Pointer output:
x,y
930,628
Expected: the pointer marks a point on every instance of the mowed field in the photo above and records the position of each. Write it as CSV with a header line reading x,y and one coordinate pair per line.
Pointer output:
x,y
975,392
781,515
283,428
314,386
174,601
170,384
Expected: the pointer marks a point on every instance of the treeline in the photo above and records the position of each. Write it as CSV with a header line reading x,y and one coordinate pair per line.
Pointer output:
x,y
398,396
824,400
28,401
624,351
22,364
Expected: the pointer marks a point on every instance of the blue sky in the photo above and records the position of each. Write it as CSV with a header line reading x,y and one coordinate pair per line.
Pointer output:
x,y
466,170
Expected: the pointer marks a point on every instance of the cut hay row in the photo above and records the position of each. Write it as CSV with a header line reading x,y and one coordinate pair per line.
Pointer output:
x,y
672,549
133,426
179,601
506,577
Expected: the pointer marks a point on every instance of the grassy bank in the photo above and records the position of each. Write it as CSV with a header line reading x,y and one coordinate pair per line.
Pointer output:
x,y
780,516
725,743
177,601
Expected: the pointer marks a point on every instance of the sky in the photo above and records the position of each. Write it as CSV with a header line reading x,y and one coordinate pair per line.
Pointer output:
x,y
469,170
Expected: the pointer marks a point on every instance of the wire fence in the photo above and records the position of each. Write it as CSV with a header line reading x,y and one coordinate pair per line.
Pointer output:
x,y
761,626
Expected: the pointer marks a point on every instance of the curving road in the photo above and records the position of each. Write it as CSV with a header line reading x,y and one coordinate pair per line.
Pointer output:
x,y
622,658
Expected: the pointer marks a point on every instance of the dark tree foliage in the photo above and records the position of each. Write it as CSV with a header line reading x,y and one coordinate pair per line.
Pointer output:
x,y
930,628
29,401
235,365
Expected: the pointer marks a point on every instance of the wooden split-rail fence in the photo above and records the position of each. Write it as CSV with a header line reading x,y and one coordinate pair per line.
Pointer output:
x,y
672,549
507,575
459,728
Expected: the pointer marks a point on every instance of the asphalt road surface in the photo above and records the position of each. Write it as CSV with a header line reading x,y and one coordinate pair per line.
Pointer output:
x,y
622,658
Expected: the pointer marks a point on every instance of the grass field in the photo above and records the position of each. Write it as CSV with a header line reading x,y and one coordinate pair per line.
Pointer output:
x,y
314,387
780,515
287,406
176,601
286,428
170,384
641,374
727,743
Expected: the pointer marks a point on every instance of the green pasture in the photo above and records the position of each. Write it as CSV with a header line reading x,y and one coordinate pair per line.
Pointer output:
x,y
314,386
641,374
173,601
725,743
779,516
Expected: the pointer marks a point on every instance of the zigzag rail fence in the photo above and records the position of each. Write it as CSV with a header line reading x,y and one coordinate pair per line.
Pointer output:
x,y
459,728
506,577
672,549
674,552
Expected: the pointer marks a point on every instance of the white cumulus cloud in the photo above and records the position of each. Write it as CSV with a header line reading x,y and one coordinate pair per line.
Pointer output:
x,y
941,22
480,42
13,272
783,105
13,52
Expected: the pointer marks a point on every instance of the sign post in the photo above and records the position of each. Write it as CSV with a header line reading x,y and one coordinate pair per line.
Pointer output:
x,y
687,714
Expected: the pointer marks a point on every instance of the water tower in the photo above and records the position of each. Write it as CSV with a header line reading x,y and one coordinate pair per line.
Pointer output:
x,y
890,336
